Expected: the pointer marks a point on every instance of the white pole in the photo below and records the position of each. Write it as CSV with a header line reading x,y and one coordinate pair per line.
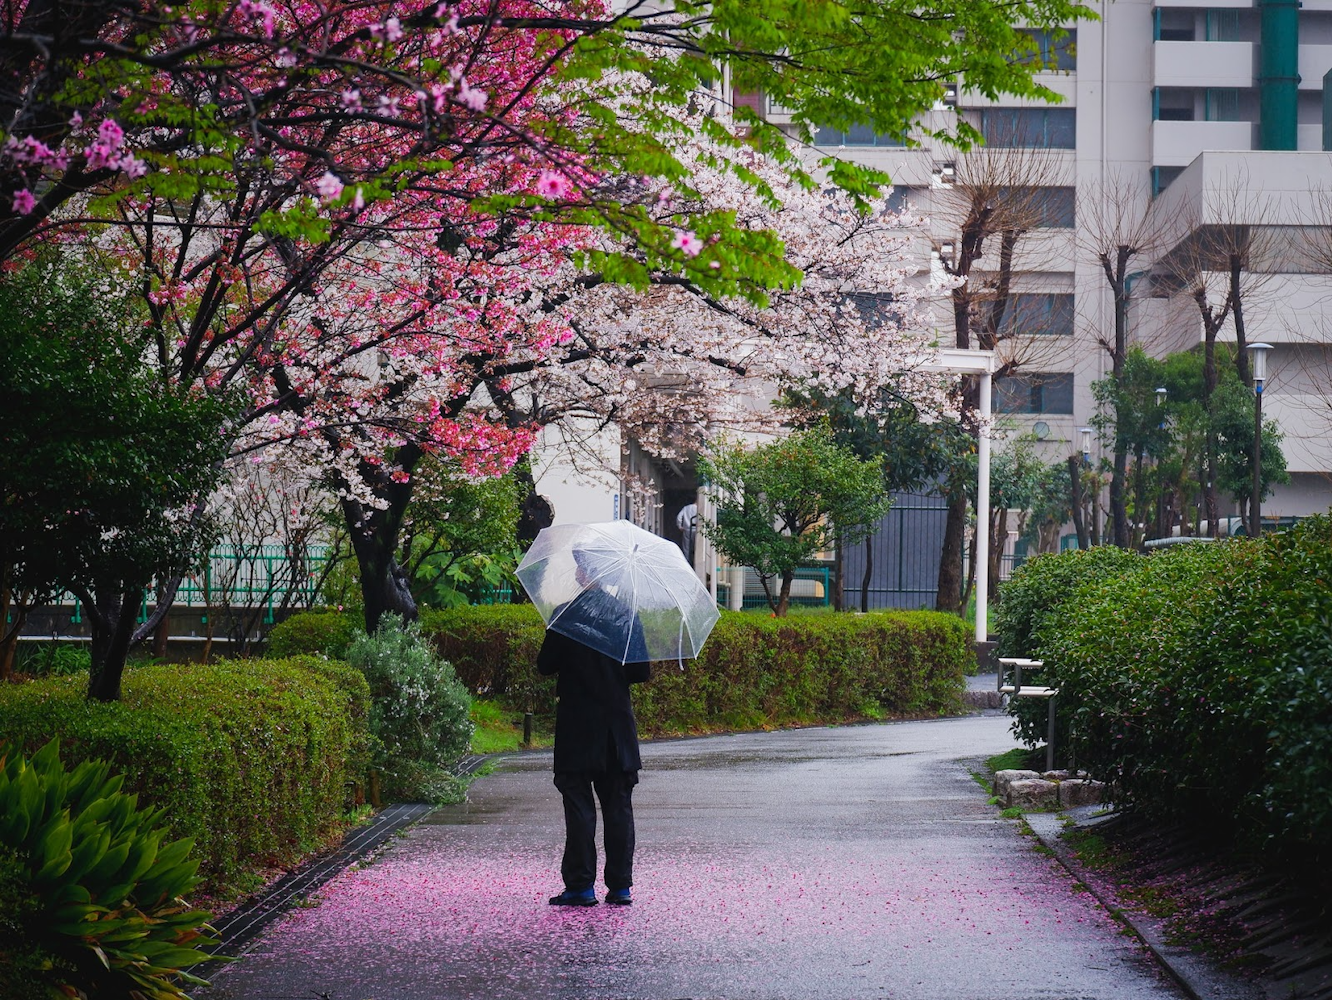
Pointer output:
x,y
983,512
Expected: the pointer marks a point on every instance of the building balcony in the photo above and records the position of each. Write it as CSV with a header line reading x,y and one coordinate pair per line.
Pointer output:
x,y
1315,61
1203,64
1177,144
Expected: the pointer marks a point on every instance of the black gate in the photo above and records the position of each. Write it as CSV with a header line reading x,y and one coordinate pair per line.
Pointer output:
x,y
903,556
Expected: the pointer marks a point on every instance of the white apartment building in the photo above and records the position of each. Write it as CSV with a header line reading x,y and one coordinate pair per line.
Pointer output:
x,y
1190,116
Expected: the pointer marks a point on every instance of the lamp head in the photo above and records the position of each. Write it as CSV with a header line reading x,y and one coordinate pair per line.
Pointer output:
x,y
1258,357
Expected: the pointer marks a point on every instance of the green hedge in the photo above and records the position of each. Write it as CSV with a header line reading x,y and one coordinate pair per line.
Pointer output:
x,y
326,633
1201,679
250,758
754,671
1031,599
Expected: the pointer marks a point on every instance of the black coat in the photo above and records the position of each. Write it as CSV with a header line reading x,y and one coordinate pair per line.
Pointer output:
x,y
594,718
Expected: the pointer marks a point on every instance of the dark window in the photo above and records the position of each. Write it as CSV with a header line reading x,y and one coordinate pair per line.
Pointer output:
x,y
876,308
1036,392
1221,104
1162,178
1038,313
1173,25
1048,207
1035,128
900,198
857,135
1052,53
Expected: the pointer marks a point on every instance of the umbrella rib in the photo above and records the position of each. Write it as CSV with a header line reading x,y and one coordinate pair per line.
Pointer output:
x,y
652,570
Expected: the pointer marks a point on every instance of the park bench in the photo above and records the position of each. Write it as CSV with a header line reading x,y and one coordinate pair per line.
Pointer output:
x,y
1015,665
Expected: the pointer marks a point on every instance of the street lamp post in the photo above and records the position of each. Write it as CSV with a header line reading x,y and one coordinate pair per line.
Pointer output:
x,y
1161,393
1258,359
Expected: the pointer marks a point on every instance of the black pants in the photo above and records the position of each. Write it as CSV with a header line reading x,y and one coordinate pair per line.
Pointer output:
x,y
615,789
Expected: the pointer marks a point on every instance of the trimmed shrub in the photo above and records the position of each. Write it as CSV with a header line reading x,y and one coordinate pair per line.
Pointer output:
x,y
1042,584
1027,601
1201,682
418,712
753,672
326,633
251,759
90,895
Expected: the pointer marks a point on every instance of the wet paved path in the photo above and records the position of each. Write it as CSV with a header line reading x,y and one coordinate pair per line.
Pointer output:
x,y
860,862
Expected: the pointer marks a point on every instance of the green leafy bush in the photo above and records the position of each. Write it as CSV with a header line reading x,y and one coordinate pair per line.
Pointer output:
x,y
328,633
89,891
1027,601
252,759
753,671
419,711
52,659
1201,681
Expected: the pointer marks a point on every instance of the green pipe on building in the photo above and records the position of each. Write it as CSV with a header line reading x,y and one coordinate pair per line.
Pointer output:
x,y
1278,75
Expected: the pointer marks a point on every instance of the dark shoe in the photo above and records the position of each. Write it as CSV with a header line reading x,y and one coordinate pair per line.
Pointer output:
x,y
585,897
618,897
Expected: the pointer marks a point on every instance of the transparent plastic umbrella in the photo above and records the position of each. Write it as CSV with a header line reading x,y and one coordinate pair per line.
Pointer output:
x,y
619,589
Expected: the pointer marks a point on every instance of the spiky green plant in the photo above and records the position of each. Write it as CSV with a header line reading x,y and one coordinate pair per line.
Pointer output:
x,y
98,895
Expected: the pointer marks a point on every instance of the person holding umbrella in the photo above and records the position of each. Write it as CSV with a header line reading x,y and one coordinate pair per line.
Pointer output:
x,y
596,748
614,598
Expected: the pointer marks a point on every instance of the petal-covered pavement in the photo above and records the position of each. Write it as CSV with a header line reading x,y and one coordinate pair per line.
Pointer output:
x,y
857,862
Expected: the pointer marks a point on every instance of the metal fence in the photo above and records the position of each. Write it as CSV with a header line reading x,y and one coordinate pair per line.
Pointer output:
x,y
902,555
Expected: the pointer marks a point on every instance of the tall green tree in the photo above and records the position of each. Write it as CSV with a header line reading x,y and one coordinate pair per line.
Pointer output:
x,y
106,466
779,503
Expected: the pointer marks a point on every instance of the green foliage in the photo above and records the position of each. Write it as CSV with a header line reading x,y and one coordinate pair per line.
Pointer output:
x,y
1199,680
419,713
1040,585
251,759
326,633
1036,591
89,889
52,659
459,543
780,503
102,461
754,671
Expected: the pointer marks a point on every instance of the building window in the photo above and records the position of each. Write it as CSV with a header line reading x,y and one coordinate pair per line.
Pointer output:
x,y
1162,177
1222,104
1032,128
1173,25
1047,207
1223,25
1050,52
1035,392
904,198
1038,314
857,135
1172,104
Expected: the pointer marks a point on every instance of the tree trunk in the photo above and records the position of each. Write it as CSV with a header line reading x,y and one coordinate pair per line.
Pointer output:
x,y
839,572
868,576
111,614
374,534
784,595
998,538
1075,499
949,594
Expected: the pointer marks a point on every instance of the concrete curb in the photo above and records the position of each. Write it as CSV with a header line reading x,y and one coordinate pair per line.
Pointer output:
x,y
1198,977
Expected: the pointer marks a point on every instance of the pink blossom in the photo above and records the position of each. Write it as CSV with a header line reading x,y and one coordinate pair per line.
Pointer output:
x,y
389,31
134,168
471,98
285,58
111,133
551,184
257,11
351,98
689,244
24,202
329,187
358,201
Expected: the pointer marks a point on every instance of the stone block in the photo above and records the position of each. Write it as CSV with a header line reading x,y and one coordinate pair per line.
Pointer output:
x,y
1081,792
1002,779
1032,793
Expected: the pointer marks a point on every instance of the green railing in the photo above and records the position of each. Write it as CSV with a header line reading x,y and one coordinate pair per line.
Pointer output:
x,y
812,587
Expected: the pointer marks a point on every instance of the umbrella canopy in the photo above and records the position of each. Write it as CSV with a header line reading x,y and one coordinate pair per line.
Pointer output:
x,y
619,589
